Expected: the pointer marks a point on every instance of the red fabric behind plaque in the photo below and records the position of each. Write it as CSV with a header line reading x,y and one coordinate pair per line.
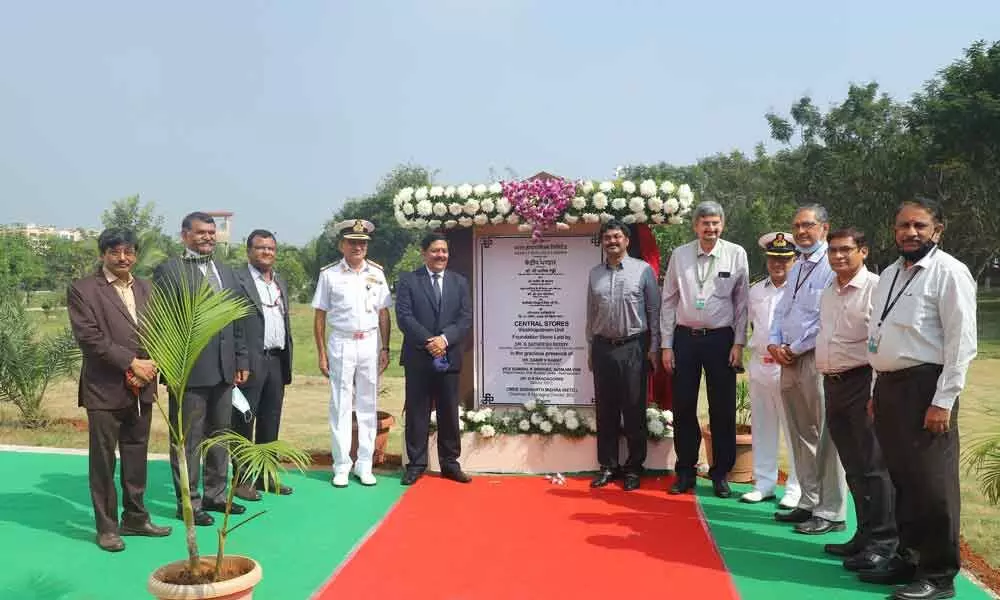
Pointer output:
x,y
659,389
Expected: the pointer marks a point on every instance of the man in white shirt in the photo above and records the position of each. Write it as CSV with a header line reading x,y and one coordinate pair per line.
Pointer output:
x,y
920,343
845,310
352,299
703,325
765,376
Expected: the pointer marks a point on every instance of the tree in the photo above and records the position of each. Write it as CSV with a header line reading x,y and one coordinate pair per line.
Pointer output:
x,y
67,260
21,266
131,213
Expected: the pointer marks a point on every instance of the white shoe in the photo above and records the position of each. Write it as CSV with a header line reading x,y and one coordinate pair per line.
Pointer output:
x,y
755,496
365,477
789,502
340,480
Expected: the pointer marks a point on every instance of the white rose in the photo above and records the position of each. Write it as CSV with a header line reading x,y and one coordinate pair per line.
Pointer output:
x,y
562,226
652,412
675,220
550,411
487,431
628,187
471,207
605,217
424,208
557,418
524,227
436,191
401,219
570,414
440,209
513,219
606,186
449,191
590,218
572,423
496,187
405,194
434,223
671,206
450,223
503,206
479,190
591,424
668,416
497,220
419,223
667,187
600,201
657,218
524,425
536,418
530,405
655,204
434,417
636,204
480,219
465,221
455,208
464,191
648,188
628,219
640,217
487,205
408,208
618,203
488,412
686,202
579,203
655,427
587,187
420,194
571,219
545,426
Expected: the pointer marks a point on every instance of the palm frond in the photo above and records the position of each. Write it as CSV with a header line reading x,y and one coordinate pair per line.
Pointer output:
x,y
263,462
982,459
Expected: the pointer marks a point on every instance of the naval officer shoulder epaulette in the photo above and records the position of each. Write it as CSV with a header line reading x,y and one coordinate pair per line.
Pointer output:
x,y
375,264
325,267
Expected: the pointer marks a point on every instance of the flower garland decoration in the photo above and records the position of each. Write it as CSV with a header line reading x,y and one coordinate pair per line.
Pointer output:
x,y
539,201
535,417
436,206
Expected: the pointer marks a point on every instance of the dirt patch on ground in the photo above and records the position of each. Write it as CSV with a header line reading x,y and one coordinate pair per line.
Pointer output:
x,y
978,566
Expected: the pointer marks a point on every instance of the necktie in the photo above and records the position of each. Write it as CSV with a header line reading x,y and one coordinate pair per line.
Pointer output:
x,y
436,277
213,279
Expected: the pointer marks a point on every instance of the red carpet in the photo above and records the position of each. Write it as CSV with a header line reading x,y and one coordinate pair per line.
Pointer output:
x,y
524,537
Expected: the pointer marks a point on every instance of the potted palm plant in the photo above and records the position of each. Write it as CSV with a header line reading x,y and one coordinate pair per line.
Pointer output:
x,y
175,328
982,459
743,468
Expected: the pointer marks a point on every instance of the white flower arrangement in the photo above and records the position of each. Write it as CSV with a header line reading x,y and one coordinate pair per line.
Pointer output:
x,y
466,205
536,417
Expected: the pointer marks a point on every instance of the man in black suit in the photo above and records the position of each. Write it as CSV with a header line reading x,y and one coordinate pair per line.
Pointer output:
x,y
268,337
207,403
434,312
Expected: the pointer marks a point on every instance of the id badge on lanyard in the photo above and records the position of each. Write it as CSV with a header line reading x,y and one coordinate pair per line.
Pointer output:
x,y
873,342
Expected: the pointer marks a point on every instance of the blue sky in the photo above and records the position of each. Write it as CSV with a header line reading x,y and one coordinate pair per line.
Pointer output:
x,y
280,111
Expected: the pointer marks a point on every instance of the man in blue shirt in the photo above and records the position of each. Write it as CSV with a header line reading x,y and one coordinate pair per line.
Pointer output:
x,y
792,343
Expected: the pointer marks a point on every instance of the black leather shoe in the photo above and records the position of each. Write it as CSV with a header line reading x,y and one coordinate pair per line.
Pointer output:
x,y
845,550
283,490
924,590
683,484
110,542
864,561
721,488
201,518
220,507
146,529
458,475
245,492
895,571
410,477
631,482
819,526
603,478
799,515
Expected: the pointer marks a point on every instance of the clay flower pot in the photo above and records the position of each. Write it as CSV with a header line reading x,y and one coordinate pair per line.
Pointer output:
x,y
237,588
743,468
385,423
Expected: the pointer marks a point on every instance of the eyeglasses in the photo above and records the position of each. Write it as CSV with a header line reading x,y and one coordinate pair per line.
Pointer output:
x,y
806,226
264,248
918,225
130,253
845,250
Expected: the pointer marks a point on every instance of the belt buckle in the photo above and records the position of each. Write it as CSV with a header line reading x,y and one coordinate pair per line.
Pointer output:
x,y
359,335
702,332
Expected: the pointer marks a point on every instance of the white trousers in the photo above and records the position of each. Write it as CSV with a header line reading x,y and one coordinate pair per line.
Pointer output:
x,y
769,424
353,385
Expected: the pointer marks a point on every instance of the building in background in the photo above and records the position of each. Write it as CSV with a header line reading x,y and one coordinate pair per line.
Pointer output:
x,y
42,232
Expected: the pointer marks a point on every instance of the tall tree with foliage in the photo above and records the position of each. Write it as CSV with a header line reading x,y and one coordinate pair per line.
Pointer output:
x,y
154,245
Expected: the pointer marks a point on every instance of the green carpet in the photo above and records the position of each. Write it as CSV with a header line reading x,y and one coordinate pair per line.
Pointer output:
x,y
769,560
47,532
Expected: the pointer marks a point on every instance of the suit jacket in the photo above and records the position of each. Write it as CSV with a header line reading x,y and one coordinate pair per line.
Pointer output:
x,y
225,353
108,341
253,325
418,317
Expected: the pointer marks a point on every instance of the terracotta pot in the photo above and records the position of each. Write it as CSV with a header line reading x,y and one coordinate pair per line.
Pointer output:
x,y
385,423
743,468
238,588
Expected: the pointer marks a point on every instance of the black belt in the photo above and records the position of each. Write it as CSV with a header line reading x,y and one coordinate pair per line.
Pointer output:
x,y
273,351
618,341
910,372
702,331
848,374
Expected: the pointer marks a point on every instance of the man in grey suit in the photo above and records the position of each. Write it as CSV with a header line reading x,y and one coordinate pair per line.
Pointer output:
x,y
207,403
268,335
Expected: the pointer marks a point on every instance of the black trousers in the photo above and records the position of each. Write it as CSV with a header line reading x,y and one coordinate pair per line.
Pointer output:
x,y
853,434
620,394
127,431
694,352
924,470
265,395
207,411
424,388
